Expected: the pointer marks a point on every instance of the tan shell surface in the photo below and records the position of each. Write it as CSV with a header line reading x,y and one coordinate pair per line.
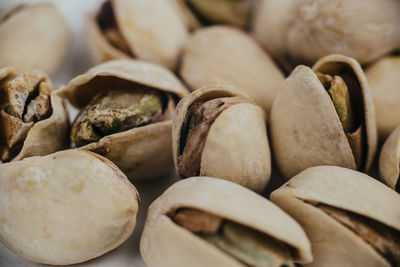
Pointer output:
x,y
84,87
384,80
214,55
305,129
65,208
332,243
237,147
164,243
389,159
153,30
33,37
304,31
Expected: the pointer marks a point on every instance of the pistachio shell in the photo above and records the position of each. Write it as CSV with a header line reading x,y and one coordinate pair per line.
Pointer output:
x,y
333,244
165,243
214,55
158,39
228,152
33,37
303,31
65,208
140,152
305,128
384,80
389,160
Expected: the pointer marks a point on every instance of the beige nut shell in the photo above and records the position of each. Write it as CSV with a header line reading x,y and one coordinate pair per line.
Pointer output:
x,y
164,243
65,208
389,160
305,128
153,31
48,135
214,55
236,148
142,152
33,37
384,80
332,243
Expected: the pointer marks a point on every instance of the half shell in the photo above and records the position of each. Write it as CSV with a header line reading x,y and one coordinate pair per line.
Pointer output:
x,y
389,160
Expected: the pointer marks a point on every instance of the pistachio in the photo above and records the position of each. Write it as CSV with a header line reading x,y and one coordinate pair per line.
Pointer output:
x,y
33,37
28,109
196,223
349,217
214,55
301,32
122,29
384,80
211,132
127,108
65,208
324,116
389,160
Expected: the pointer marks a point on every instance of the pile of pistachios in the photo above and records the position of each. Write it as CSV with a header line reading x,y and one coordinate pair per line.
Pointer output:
x,y
225,92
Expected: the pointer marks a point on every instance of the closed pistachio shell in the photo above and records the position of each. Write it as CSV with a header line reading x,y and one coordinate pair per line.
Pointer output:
x,y
65,208
214,55
299,31
384,80
150,31
33,37
141,152
235,147
350,218
305,127
166,243
389,160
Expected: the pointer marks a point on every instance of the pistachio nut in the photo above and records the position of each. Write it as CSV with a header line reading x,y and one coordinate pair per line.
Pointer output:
x,y
147,30
33,37
351,219
65,208
389,160
203,221
218,132
33,119
302,31
384,80
324,116
126,114
214,55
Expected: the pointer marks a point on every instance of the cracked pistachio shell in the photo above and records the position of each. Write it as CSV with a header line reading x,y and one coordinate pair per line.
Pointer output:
x,y
302,31
389,160
65,208
33,37
164,243
305,128
141,152
152,30
236,146
333,244
384,80
214,55
48,135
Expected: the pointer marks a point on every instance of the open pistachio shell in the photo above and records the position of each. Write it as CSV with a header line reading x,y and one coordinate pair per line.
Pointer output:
x,y
306,125
164,242
65,208
299,31
351,219
389,160
44,136
33,37
214,55
235,143
140,152
384,80
150,31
